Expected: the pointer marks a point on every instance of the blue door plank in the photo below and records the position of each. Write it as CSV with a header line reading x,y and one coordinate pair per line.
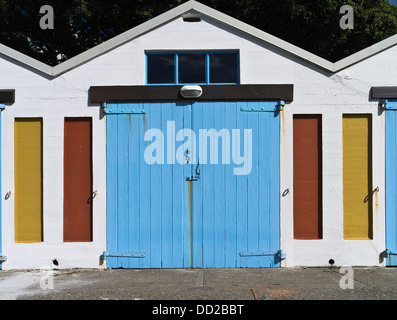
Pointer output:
x,y
135,136
178,197
122,188
269,191
208,172
393,175
144,199
230,194
155,196
253,236
218,185
242,193
166,196
274,183
264,154
197,195
390,175
111,186
188,196
390,183
1,252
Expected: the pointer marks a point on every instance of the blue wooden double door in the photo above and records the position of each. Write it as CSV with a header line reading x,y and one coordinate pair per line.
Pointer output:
x,y
193,185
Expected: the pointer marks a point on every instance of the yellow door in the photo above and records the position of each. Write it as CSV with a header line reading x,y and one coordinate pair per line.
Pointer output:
x,y
28,180
357,177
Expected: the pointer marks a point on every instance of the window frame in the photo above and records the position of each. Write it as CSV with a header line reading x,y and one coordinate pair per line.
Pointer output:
x,y
207,66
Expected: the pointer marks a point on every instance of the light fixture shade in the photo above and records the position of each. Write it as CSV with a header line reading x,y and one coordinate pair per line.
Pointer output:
x,y
191,17
191,91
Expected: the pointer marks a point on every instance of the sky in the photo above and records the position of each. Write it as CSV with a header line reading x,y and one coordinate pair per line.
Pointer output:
x,y
393,2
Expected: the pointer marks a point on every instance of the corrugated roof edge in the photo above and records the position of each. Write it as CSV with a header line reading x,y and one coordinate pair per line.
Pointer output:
x,y
211,13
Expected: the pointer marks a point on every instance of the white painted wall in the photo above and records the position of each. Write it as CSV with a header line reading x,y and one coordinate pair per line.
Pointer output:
x,y
315,91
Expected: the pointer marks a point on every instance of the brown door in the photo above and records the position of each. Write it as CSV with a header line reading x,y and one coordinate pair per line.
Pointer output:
x,y
307,176
77,180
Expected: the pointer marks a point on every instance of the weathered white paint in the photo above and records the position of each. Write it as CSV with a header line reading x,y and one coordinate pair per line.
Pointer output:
x,y
315,91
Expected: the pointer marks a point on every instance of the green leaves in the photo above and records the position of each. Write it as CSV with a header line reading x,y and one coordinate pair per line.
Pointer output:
x,y
81,24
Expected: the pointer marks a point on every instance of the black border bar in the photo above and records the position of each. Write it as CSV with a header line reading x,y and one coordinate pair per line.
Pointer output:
x,y
383,92
7,95
247,92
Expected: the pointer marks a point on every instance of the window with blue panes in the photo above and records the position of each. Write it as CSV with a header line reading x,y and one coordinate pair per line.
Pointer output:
x,y
192,67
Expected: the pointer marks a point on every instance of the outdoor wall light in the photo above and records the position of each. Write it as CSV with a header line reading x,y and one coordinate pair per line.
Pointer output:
x,y
191,91
191,17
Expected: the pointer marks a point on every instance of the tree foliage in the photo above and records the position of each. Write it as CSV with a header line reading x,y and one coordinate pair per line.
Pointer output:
x,y
81,24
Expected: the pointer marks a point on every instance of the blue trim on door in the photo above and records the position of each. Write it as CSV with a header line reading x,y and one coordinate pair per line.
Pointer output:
x,y
391,182
1,194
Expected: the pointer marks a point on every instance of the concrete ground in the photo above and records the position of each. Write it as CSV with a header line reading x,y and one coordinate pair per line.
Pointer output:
x,y
201,284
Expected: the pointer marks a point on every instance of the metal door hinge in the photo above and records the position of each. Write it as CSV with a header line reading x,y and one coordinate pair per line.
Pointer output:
x,y
3,258
123,109
124,254
265,107
278,253
385,104
387,253
260,109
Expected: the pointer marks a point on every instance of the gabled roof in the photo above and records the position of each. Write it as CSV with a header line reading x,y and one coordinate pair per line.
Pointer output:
x,y
194,6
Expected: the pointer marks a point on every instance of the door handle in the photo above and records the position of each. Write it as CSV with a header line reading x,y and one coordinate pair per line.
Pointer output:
x,y
198,169
92,197
8,195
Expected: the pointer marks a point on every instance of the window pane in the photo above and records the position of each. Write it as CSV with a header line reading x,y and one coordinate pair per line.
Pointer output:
x,y
160,68
223,68
192,68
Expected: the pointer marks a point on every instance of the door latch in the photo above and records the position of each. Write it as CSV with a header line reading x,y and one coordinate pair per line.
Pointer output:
x,y
192,178
197,176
